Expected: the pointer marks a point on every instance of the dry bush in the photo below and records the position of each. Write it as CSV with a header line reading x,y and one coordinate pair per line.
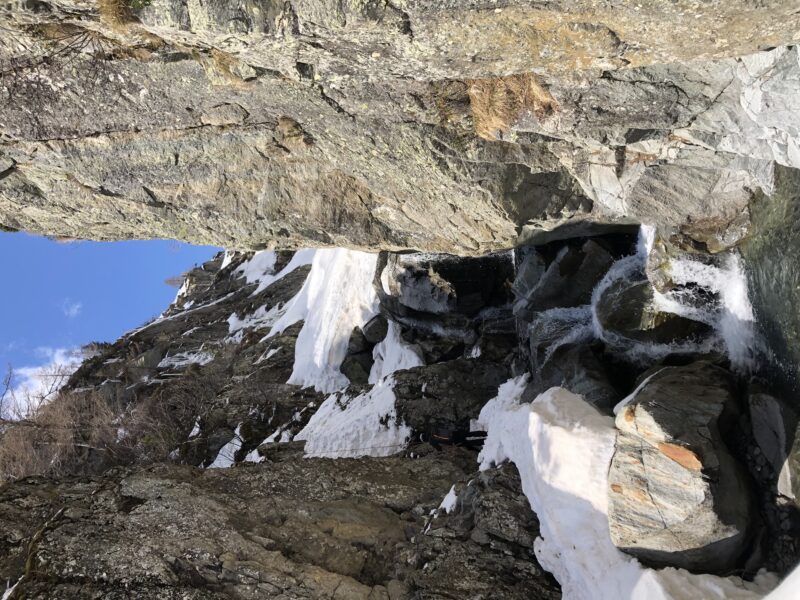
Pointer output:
x,y
451,99
35,67
115,13
73,433
157,425
76,432
497,103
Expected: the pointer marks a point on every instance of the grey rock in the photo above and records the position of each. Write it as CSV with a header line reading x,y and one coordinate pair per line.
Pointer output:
x,y
375,329
577,368
358,342
356,367
568,281
774,425
293,528
305,125
529,271
676,495
483,547
772,252
430,287
448,394
626,309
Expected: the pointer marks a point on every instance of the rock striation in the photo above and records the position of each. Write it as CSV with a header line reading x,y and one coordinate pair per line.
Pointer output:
x,y
461,127
676,494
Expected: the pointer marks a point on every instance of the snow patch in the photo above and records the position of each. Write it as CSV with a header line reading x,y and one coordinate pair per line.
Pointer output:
x,y
336,297
393,354
268,354
227,258
262,318
227,454
184,359
364,425
449,503
260,269
562,447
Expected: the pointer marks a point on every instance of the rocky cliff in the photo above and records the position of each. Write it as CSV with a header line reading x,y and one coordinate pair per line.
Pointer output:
x,y
308,425
461,127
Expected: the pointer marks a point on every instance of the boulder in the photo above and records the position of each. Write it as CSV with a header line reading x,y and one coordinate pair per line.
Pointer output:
x,y
358,342
550,329
530,268
375,329
577,368
676,495
627,309
568,281
356,367
773,425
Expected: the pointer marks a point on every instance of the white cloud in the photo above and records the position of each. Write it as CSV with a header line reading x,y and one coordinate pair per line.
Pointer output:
x,y
35,385
71,309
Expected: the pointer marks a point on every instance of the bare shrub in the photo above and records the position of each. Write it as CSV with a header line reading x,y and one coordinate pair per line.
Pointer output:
x,y
35,62
498,102
67,435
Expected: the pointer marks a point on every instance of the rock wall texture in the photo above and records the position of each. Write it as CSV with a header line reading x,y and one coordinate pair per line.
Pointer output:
x,y
315,123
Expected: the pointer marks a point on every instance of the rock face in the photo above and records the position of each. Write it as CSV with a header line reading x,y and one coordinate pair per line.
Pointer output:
x,y
413,125
567,282
676,495
443,134
288,529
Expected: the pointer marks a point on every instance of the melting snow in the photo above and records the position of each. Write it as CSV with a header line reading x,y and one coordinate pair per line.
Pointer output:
x,y
563,447
365,425
393,354
449,503
227,454
336,297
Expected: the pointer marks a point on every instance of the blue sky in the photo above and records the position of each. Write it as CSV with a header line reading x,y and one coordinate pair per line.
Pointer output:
x,y
63,295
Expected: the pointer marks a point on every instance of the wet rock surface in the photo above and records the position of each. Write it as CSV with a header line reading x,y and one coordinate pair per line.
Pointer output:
x,y
567,282
627,309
